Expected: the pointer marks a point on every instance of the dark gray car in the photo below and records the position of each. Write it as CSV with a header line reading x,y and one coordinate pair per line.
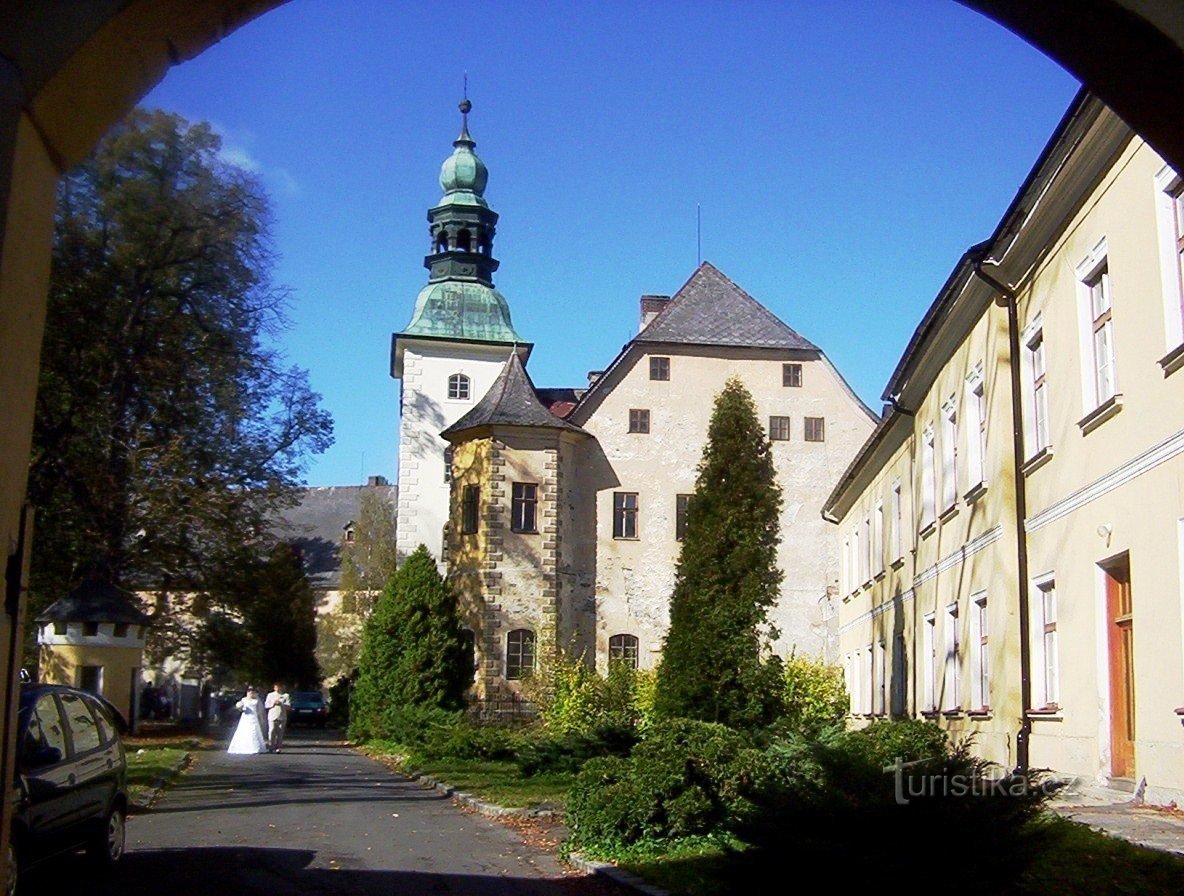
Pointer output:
x,y
71,787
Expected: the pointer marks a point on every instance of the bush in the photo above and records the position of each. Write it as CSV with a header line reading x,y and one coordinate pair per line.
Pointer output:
x,y
570,697
814,697
567,753
682,779
465,740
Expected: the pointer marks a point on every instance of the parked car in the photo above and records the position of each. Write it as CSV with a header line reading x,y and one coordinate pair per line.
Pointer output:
x,y
71,778
308,708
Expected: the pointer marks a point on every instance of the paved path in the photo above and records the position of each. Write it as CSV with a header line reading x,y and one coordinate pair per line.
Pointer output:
x,y
317,818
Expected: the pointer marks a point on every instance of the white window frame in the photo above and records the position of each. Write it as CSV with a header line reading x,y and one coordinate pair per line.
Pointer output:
x,y
928,478
845,585
976,430
980,654
1034,377
881,684
856,581
878,539
865,551
949,455
897,526
1046,683
1099,367
869,681
928,660
951,672
459,382
1168,185
899,676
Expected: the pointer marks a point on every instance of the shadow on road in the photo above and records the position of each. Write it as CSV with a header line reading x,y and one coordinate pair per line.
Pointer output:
x,y
213,871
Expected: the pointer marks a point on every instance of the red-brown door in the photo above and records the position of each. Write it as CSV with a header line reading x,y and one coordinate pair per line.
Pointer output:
x,y
1122,667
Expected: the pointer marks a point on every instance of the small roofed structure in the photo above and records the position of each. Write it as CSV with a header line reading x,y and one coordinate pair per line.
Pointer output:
x,y
93,639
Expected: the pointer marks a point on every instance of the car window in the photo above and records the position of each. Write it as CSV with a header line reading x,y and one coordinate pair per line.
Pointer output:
x,y
45,728
82,723
100,714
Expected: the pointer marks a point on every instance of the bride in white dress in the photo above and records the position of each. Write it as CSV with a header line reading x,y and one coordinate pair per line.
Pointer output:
x,y
248,736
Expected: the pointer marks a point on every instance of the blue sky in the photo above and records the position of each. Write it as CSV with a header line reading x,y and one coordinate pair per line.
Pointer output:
x,y
844,154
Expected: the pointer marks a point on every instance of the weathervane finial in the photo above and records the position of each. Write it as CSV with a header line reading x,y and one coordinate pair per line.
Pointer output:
x,y
465,107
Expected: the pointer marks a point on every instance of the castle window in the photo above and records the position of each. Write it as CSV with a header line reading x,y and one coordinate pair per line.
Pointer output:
x,y
458,387
791,375
442,240
623,649
639,420
90,629
624,514
815,429
524,507
59,628
659,368
469,504
448,464
464,242
120,630
779,429
520,645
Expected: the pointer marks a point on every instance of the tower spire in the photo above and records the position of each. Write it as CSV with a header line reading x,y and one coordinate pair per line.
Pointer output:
x,y
465,108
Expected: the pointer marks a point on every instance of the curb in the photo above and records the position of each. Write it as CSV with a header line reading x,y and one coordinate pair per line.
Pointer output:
x,y
158,786
480,806
616,875
576,860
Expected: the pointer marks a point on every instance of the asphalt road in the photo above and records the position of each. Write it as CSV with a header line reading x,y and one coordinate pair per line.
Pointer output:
x,y
317,818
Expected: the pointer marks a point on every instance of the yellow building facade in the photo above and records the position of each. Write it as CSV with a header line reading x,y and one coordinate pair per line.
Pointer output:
x,y
1013,532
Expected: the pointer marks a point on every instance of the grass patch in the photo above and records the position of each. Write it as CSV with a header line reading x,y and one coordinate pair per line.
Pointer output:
x,y
693,866
1078,860
498,782
148,763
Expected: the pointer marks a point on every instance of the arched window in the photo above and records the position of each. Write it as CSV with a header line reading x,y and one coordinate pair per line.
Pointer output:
x,y
442,240
519,653
458,387
623,649
464,241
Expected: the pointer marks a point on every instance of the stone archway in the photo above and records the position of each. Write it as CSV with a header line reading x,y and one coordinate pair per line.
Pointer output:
x,y
69,70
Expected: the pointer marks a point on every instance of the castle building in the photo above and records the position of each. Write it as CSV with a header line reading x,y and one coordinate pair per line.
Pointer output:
x,y
559,512
1013,531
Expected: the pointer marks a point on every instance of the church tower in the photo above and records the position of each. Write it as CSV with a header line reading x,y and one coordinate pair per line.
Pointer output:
x,y
455,346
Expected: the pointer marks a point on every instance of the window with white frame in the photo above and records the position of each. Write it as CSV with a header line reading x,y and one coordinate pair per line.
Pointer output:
x,y
896,528
1037,389
1046,686
976,430
1170,196
869,681
949,454
856,581
458,387
878,539
928,479
849,669
929,661
1098,308
950,700
865,553
846,585
881,679
980,673
900,678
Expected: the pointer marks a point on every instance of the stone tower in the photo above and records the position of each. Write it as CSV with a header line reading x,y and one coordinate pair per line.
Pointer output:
x,y
455,346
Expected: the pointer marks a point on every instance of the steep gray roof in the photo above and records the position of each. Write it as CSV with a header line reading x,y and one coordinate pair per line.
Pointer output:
x,y
510,401
712,310
316,525
95,601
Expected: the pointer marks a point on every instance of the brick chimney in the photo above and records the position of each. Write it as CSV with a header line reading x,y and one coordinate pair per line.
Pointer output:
x,y
376,480
651,307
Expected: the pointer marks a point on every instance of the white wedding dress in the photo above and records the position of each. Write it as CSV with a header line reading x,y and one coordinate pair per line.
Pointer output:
x,y
248,736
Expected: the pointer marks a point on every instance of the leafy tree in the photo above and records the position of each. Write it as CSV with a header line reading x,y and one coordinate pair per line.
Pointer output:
x,y
168,429
279,618
727,578
413,652
369,561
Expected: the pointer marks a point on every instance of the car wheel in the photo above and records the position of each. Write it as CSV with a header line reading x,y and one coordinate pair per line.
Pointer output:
x,y
107,846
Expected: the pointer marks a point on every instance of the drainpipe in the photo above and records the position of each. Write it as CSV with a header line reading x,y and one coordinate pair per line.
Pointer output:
x,y
1007,299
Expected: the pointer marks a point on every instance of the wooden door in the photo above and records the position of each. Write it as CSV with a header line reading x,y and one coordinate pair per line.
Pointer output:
x,y
1122,667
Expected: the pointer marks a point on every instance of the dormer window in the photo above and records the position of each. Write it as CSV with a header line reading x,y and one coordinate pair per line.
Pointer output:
x,y
458,387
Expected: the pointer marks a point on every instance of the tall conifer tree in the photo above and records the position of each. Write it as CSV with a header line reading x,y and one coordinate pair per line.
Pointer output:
x,y
713,665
